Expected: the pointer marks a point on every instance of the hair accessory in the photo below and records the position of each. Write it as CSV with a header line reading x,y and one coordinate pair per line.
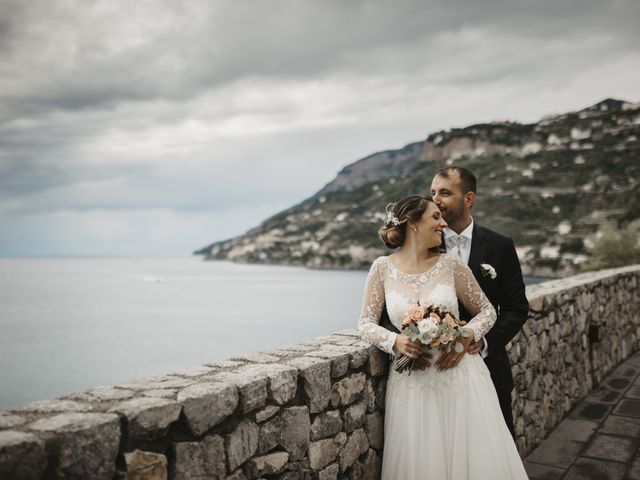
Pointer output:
x,y
391,218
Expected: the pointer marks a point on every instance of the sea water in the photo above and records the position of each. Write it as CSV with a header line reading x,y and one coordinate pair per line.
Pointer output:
x,y
68,324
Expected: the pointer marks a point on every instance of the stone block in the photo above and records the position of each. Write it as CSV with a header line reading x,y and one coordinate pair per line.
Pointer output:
x,y
266,413
282,380
374,429
359,355
574,429
85,444
354,416
589,469
591,411
355,472
381,391
633,392
160,393
295,431
252,387
271,464
169,382
53,406
608,447
356,445
536,471
339,360
378,362
630,408
329,473
536,303
326,424
237,475
348,389
269,435
257,357
621,426
199,460
194,371
323,452
147,417
556,452
372,466
241,444
207,404
316,376
369,395
145,466
291,476
604,394
634,470
111,393
300,470
22,455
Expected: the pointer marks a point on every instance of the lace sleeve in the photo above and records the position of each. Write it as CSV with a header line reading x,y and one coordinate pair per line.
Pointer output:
x,y
473,299
372,306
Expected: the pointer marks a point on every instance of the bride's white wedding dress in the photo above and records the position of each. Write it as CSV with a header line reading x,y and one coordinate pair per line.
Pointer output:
x,y
438,425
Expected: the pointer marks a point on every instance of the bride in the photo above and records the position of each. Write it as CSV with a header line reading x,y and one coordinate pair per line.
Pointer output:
x,y
443,424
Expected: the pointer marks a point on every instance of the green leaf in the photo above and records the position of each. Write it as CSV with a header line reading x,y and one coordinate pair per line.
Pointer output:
x,y
459,348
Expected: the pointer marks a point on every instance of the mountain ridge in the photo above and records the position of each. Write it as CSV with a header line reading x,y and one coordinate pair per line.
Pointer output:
x,y
569,169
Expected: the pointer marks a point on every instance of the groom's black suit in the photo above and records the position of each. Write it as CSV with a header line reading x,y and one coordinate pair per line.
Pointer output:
x,y
507,294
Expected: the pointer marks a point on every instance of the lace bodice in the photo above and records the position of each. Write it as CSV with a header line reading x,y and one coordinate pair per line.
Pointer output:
x,y
443,284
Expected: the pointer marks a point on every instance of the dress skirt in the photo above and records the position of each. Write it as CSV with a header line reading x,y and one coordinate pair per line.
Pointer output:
x,y
447,426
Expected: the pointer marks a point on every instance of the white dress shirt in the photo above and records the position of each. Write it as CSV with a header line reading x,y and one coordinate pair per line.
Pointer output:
x,y
461,244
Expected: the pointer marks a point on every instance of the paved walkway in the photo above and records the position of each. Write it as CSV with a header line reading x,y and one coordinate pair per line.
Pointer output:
x,y
600,437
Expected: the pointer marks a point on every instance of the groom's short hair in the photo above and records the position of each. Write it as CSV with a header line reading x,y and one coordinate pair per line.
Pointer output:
x,y
467,179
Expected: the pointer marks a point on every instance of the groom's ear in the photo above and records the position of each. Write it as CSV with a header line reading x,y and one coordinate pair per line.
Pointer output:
x,y
469,199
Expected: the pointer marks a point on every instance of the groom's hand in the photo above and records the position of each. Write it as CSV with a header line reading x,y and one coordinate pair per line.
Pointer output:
x,y
448,360
423,361
476,347
452,358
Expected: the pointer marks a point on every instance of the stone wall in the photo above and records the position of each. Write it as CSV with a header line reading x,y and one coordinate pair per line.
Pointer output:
x,y
307,411
554,362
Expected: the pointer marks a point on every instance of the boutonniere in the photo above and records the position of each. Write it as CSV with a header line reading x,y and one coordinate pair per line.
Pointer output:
x,y
488,271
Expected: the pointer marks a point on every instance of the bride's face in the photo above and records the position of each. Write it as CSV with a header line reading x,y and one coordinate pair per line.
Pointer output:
x,y
431,225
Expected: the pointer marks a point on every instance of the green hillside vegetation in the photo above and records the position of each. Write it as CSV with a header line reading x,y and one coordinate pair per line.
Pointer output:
x,y
551,186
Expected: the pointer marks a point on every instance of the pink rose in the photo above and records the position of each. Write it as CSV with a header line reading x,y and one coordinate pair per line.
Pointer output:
x,y
416,313
450,321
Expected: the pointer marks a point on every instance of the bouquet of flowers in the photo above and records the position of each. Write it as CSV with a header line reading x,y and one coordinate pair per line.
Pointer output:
x,y
433,327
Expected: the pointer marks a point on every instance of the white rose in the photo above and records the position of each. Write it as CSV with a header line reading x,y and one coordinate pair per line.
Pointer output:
x,y
488,269
428,329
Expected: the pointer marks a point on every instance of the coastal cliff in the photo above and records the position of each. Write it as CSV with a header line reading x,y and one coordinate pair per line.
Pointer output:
x,y
553,186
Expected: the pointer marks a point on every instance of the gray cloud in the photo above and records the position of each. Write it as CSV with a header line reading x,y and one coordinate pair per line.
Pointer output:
x,y
196,107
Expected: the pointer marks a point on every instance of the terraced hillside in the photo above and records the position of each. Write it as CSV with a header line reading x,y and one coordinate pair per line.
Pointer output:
x,y
551,185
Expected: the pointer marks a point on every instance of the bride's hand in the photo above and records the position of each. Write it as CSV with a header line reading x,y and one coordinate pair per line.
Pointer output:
x,y
452,358
406,347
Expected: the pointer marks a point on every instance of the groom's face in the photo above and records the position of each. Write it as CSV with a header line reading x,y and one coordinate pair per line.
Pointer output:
x,y
448,195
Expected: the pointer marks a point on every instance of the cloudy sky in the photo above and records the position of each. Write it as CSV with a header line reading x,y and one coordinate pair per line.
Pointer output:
x,y
157,127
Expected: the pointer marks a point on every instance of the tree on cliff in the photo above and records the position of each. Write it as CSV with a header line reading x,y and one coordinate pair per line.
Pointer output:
x,y
614,249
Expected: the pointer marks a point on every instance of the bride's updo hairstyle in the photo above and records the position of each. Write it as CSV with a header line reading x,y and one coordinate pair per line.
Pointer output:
x,y
394,230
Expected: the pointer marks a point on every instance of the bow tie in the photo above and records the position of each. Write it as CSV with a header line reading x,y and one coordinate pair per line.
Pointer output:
x,y
457,242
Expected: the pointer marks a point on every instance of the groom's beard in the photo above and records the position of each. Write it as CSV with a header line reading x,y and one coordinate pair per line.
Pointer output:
x,y
452,216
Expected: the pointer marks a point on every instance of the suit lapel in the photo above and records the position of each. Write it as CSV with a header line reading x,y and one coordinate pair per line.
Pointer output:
x,y
478,247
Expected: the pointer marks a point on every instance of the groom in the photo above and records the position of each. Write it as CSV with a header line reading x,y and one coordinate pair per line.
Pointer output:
x,y
493,260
